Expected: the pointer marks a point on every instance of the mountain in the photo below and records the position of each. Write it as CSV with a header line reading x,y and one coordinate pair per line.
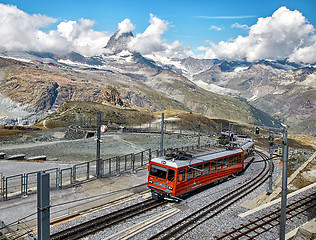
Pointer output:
x,y
44,86
38,83
281,89
119,41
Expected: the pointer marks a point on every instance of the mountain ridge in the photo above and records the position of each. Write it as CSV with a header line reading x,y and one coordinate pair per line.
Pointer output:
x,y
157,83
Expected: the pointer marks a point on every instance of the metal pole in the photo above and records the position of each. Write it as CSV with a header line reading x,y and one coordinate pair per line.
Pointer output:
x,y
208,127
129,126
180,127
269,191
199,135
98,172
43,218
284,185
253,133
162,127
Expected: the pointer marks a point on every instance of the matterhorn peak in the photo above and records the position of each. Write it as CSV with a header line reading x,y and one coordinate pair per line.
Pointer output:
x,y
119,41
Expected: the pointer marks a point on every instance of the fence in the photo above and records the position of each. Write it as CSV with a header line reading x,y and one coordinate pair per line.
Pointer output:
x,y
26,183
171,125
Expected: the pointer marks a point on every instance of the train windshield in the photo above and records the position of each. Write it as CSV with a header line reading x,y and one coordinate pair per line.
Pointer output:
x,y
159,172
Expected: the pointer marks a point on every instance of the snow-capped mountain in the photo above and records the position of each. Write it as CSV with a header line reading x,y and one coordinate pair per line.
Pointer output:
x,y
157,82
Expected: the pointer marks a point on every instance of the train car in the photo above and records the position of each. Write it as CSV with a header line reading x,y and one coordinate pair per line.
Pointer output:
x,y
179,173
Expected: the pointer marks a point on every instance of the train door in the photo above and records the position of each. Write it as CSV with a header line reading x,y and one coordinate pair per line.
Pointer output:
x,y
171,179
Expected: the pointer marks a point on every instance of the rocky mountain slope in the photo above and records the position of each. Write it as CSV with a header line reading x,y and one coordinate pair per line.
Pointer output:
x,y
42,81
45,86
285,92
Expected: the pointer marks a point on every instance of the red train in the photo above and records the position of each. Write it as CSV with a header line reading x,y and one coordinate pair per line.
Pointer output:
x,y
177,174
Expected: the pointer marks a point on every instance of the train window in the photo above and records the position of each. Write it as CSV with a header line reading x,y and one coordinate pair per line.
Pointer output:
x,y
181,175
206,168
219,164
198,171
190,173
239,158
213,166
158,171
170,175
235,159
225,165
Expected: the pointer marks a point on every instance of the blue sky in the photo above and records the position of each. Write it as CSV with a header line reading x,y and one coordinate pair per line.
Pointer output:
x,y
182,15
192,23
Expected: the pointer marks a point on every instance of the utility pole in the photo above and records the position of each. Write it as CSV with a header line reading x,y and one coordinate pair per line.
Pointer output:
x,y
162,128
43,218
199,135
208,127
284,184
269,191
98,172
253,133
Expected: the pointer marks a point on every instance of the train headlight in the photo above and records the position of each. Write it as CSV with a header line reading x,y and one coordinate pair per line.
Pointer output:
x,y
170,188
150,181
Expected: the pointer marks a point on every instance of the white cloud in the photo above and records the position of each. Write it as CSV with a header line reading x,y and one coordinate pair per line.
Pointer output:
x,y
215,28
305,54
20,31
81,37
151,39
286,34
237,25
225,17
125,26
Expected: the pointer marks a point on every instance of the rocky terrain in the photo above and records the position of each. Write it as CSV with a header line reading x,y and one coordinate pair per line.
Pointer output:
x,y
45,86
262,92
286,92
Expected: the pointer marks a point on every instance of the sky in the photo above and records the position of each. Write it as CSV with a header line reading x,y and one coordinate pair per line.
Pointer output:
x,y
225,29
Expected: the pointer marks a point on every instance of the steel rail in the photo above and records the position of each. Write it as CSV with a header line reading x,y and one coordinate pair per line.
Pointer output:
x,y
265,223
97,224
190,222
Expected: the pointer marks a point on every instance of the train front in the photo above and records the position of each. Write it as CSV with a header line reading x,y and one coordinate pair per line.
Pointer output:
x,y
161,178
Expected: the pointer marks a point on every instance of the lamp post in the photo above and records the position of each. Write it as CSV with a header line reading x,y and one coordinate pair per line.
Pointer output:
x,y
162,128
284,184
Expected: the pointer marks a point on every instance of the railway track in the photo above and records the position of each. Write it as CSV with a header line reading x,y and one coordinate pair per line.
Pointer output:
x,y
209,211
306,204
97,224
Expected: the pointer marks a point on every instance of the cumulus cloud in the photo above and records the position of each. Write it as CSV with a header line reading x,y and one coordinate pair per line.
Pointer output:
x,y
215,28
286,34
81,37
151,39
125,26
237,25
20,31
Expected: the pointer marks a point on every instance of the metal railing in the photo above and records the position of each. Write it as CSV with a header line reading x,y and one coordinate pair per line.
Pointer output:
x,y
24,184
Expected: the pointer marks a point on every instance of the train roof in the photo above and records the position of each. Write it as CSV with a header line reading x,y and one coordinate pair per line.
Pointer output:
x,y
196,158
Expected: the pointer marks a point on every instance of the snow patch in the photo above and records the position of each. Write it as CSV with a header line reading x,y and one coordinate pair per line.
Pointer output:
x,y
166,61
25,57
240,69
310,81
10,110
216,89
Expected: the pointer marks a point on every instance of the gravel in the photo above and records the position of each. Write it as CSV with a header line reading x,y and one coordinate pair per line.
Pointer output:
x,y
74,151
207,230
211,228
